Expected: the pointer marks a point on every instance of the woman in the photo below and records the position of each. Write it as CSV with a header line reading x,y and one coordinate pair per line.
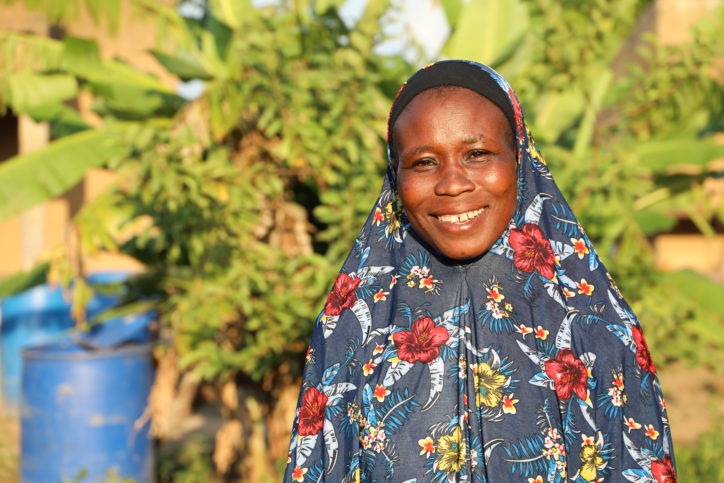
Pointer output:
x,y
473,334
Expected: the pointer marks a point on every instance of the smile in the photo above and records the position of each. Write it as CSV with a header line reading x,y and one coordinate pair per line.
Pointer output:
x,y
460,218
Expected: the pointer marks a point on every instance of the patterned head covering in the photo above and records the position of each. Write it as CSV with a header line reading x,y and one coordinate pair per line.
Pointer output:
x,y
524,365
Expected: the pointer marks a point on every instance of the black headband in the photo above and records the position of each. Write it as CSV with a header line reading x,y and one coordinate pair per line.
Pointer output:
x,y
451,73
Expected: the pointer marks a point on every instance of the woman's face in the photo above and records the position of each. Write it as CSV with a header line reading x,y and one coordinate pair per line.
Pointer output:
x,y
456,170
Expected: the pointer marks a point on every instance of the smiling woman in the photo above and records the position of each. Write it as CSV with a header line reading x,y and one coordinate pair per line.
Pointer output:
x,y
473,334
456,170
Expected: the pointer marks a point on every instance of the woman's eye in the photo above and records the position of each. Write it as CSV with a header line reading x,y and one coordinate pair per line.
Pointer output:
x,y
478,153
423,163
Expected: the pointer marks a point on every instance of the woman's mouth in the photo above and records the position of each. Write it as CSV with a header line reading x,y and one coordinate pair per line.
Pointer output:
x,y
460,218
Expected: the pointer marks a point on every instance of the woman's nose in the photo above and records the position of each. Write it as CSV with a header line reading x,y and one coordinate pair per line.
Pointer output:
x,y
453,180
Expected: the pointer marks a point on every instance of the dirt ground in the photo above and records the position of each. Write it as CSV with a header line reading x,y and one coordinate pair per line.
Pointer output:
x,y
9,449
695,400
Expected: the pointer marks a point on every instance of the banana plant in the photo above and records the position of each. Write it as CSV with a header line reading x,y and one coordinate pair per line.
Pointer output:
x,y
632,145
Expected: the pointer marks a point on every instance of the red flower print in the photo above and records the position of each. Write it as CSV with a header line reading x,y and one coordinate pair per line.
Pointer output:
x,y
422,342
569,375
643,356
342,295
311,414
532,250
518,114
663,471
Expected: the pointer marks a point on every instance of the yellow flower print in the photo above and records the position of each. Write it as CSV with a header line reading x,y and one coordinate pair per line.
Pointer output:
x,y
534,153
487,385
591,461
451,449
391,213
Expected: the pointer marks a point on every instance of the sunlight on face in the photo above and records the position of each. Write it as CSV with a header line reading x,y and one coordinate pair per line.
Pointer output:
x,y
456,170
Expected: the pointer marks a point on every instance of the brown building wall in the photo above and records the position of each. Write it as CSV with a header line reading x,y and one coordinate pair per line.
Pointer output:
x,y
29,238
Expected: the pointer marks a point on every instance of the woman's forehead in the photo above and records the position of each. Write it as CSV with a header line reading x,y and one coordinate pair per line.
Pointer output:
x,y
455,73
450,101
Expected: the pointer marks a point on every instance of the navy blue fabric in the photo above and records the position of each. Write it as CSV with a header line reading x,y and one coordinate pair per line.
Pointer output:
x,y
523,365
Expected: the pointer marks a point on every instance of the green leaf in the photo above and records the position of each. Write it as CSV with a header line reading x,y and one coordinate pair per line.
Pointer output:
x,y
231,11
64,120
557,111
487,31
129,101
663,154
22,281
130,308
700,290
452,9
184,65
20,51
651,221
29,179
594,102
27,90
82,58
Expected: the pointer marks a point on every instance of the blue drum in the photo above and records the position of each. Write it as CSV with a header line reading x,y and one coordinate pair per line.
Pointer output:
x,y
33,317
85,410
37,316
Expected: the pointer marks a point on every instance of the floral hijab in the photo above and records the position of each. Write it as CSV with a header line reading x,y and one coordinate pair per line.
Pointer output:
x,y
524,365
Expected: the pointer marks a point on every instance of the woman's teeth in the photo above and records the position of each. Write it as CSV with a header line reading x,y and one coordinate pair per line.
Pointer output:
x,y
461,217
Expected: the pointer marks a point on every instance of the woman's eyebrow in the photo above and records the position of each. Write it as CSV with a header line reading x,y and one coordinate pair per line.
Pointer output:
x,y
474,139
423,148
419,150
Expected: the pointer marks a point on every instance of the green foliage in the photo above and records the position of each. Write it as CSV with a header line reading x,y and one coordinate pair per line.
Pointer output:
x,y
187,462
56,169
702,462
216,195
292,110
22,281
630,144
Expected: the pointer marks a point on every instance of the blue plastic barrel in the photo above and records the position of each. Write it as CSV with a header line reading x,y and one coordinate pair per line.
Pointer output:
x,y
84,410
33,317
37,316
